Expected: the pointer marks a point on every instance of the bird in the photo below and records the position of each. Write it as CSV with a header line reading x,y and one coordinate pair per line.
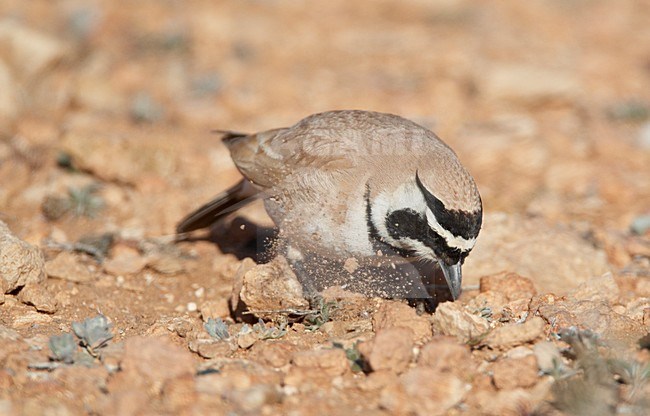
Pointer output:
x,y
358,187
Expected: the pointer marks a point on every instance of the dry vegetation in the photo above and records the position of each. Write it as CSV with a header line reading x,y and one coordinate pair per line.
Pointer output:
x,y
105,113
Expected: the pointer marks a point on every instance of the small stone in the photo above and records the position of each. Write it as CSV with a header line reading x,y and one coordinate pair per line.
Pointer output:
x,y
391,349
166,264
275,354
192,307
351,265
238,282
30,318
424,392
332,362
511,373
66,266
508,336
38,297
155,360
246,340
392,314
451,318
215,349
446,355
20,262
512,285
214,309
124,261
272,286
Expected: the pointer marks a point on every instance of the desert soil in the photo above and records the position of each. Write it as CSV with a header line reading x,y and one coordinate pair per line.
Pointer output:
x,y
105,116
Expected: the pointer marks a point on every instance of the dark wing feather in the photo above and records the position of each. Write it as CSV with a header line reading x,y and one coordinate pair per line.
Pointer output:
x,y
234,198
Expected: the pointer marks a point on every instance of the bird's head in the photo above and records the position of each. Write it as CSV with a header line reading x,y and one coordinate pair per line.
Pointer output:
x,y
433,217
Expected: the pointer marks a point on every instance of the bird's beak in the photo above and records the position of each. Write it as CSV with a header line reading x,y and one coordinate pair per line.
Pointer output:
x,y
453,276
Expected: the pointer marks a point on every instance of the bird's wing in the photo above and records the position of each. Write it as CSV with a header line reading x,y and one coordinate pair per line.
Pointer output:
x,y
269,157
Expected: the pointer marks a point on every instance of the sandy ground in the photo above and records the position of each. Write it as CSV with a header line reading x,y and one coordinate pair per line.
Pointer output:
x,y
105,116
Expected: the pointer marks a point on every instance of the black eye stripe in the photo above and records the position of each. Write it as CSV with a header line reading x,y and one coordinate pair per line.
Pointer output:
x,y
460,223
408,223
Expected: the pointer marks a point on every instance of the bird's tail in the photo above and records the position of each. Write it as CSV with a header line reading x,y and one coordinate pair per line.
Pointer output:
x,y
229,201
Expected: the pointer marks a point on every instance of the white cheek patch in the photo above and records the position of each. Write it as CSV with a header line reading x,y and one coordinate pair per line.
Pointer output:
x,y
453,241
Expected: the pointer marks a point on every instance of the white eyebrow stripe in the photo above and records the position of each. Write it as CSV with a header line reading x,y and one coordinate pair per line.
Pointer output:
x,y
453,241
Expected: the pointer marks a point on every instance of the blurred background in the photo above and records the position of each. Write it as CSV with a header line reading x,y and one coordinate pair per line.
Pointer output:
x,y
546,102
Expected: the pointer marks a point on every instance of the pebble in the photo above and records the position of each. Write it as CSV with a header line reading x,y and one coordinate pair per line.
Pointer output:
x,y
66,266
20,263
511,373
451,318
393,314
391,349
272,286
38,297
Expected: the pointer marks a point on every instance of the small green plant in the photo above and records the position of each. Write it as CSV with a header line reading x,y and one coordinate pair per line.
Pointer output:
x,y
217,329
321,316
63,347
357,362
274,332
93,333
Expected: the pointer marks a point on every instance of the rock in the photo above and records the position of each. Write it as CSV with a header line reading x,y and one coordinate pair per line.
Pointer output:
x,y
512,285
272,286
38,297
446,355
451,318
276,354
554,259
214,349
155,360
238,282
529,85
392,314
30,318
391,349
246,339
332,362
124,261
424,392
217,308
598,288
597,316
165,264
511,373
29,52
20,262
508,336
67,267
